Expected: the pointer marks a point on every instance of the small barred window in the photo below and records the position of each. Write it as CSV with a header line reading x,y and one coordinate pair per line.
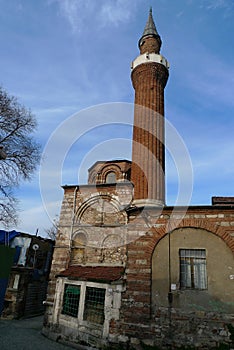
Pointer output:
x,y
71,300
94,305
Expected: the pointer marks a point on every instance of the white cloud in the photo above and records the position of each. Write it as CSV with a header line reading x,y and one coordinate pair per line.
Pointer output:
x,y
44,112
225,7
116,12
102,13
216,4
75,11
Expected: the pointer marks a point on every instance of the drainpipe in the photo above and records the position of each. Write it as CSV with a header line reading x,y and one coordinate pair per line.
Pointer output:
x,y
170,295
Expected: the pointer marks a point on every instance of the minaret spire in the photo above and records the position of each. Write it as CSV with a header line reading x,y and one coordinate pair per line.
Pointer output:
x,y
149,78
150,31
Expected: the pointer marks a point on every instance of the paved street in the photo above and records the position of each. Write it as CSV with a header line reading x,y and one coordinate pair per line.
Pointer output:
x,y
26,335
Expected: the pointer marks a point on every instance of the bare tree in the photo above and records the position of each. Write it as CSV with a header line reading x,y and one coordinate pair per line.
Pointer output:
x,y
52,231
20,153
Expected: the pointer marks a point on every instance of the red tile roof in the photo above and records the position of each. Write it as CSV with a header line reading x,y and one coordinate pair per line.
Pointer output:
x,y
93,273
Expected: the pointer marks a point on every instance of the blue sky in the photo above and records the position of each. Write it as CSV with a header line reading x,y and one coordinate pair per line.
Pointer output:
x,y
60,57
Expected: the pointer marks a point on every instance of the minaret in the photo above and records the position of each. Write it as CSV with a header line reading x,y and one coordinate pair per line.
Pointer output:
x,y
149,78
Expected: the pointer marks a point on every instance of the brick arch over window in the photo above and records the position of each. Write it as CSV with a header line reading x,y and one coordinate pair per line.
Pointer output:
x,y
218,230
110,168
99,171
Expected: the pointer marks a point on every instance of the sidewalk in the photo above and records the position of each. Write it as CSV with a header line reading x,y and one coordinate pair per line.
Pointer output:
x,y
26,334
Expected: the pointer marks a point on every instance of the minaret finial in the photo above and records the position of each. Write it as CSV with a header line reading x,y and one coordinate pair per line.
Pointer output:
x,y
150,31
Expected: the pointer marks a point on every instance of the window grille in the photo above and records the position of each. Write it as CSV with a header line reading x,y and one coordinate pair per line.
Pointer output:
x,y
193,269
94,305
71,300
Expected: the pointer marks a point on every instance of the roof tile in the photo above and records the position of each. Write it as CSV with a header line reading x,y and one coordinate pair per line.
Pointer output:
x,y
93,273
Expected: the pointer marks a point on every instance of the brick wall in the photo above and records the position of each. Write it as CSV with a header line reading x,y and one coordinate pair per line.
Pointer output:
x,y
148,153
196,327
150,44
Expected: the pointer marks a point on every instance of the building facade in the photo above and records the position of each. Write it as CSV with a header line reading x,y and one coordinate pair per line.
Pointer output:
x,y
27,280
127,270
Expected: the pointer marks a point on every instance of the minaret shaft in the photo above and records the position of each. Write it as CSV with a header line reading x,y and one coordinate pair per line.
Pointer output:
x,y
149,78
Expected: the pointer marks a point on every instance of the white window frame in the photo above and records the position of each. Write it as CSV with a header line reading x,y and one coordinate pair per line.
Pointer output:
x,y
194,266
111,305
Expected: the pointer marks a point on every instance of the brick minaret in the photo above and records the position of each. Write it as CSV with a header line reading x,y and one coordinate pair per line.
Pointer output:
x,y
149,78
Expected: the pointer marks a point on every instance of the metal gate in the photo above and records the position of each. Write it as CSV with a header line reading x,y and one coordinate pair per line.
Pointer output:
x,y
36,294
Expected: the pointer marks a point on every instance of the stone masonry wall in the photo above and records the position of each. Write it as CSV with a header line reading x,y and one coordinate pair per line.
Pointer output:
x,y
105,244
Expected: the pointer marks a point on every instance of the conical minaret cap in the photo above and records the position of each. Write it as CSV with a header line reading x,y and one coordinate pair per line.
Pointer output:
x,y
150,29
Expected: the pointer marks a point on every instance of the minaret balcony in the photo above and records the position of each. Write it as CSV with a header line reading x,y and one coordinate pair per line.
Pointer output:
x,y
148,58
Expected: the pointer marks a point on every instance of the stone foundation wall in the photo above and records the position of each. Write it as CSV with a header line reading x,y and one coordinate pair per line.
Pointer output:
x,y
175,329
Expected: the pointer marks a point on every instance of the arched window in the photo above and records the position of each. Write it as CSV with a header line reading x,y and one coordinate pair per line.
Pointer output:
x,y
111,177
78,248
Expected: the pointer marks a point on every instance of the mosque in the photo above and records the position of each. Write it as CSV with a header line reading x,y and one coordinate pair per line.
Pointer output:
x,y
128,271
